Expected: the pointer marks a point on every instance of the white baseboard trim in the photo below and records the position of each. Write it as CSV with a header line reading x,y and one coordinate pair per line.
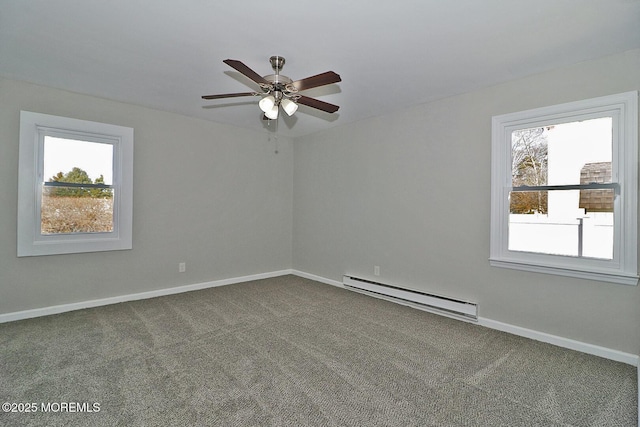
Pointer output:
x,y
56,309
607,353
317,278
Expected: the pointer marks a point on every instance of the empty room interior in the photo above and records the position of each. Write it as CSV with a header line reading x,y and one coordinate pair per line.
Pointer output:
x,y
319,213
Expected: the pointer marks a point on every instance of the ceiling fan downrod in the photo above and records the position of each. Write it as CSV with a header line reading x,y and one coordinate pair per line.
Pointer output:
x,y
277,62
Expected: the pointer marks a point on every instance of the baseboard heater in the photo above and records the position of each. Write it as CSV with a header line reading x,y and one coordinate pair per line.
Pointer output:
x,y
434,303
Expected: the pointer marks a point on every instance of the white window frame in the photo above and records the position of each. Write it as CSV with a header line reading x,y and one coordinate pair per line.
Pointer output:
x,y
622,268
33,128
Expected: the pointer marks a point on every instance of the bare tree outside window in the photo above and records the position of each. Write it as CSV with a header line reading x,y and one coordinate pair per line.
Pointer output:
x,y
529,167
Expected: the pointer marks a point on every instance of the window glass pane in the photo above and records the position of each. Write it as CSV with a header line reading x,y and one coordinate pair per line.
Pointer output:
x,y
565,154
73,209
76,210
70,160
529,157
562,222
576,223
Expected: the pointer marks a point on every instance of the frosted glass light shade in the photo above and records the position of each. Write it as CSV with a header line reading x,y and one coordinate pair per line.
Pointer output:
x,y
289,106
272,113
267,103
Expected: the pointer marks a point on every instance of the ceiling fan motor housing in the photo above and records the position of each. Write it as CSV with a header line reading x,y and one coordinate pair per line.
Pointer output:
x,y
278,82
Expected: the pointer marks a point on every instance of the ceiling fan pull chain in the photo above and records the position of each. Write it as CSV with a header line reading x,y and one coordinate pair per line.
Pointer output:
x,y
276,137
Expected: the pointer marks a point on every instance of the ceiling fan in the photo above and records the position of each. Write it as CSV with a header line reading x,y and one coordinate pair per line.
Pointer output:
x,y
280,91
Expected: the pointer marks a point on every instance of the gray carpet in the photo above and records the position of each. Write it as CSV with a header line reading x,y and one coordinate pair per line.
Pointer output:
x,y
291,352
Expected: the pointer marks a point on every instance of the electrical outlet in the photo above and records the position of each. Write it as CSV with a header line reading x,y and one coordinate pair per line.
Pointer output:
x,y
376,270
182,267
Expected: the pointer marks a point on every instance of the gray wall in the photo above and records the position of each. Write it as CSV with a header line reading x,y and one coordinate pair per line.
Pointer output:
x,y
213,196
410,192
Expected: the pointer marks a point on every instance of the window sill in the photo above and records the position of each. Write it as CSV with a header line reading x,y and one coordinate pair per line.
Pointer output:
x,y
599,275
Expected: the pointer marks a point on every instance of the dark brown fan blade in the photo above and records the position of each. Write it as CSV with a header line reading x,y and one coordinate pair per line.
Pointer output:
x,y
317,80
239,66
229,95
316,103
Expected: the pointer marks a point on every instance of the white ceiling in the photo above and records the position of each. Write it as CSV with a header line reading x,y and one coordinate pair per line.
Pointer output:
x,y
391,55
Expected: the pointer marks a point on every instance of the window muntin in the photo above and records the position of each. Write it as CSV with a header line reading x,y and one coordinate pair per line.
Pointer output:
x,y
51,143
602,183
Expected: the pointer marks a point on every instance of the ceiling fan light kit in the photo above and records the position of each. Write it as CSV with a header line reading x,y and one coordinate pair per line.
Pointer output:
x,y
271,113
289,106
267,103
280,91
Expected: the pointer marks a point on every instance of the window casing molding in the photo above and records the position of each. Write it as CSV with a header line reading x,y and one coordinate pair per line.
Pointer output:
x,y
623,108
31,241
